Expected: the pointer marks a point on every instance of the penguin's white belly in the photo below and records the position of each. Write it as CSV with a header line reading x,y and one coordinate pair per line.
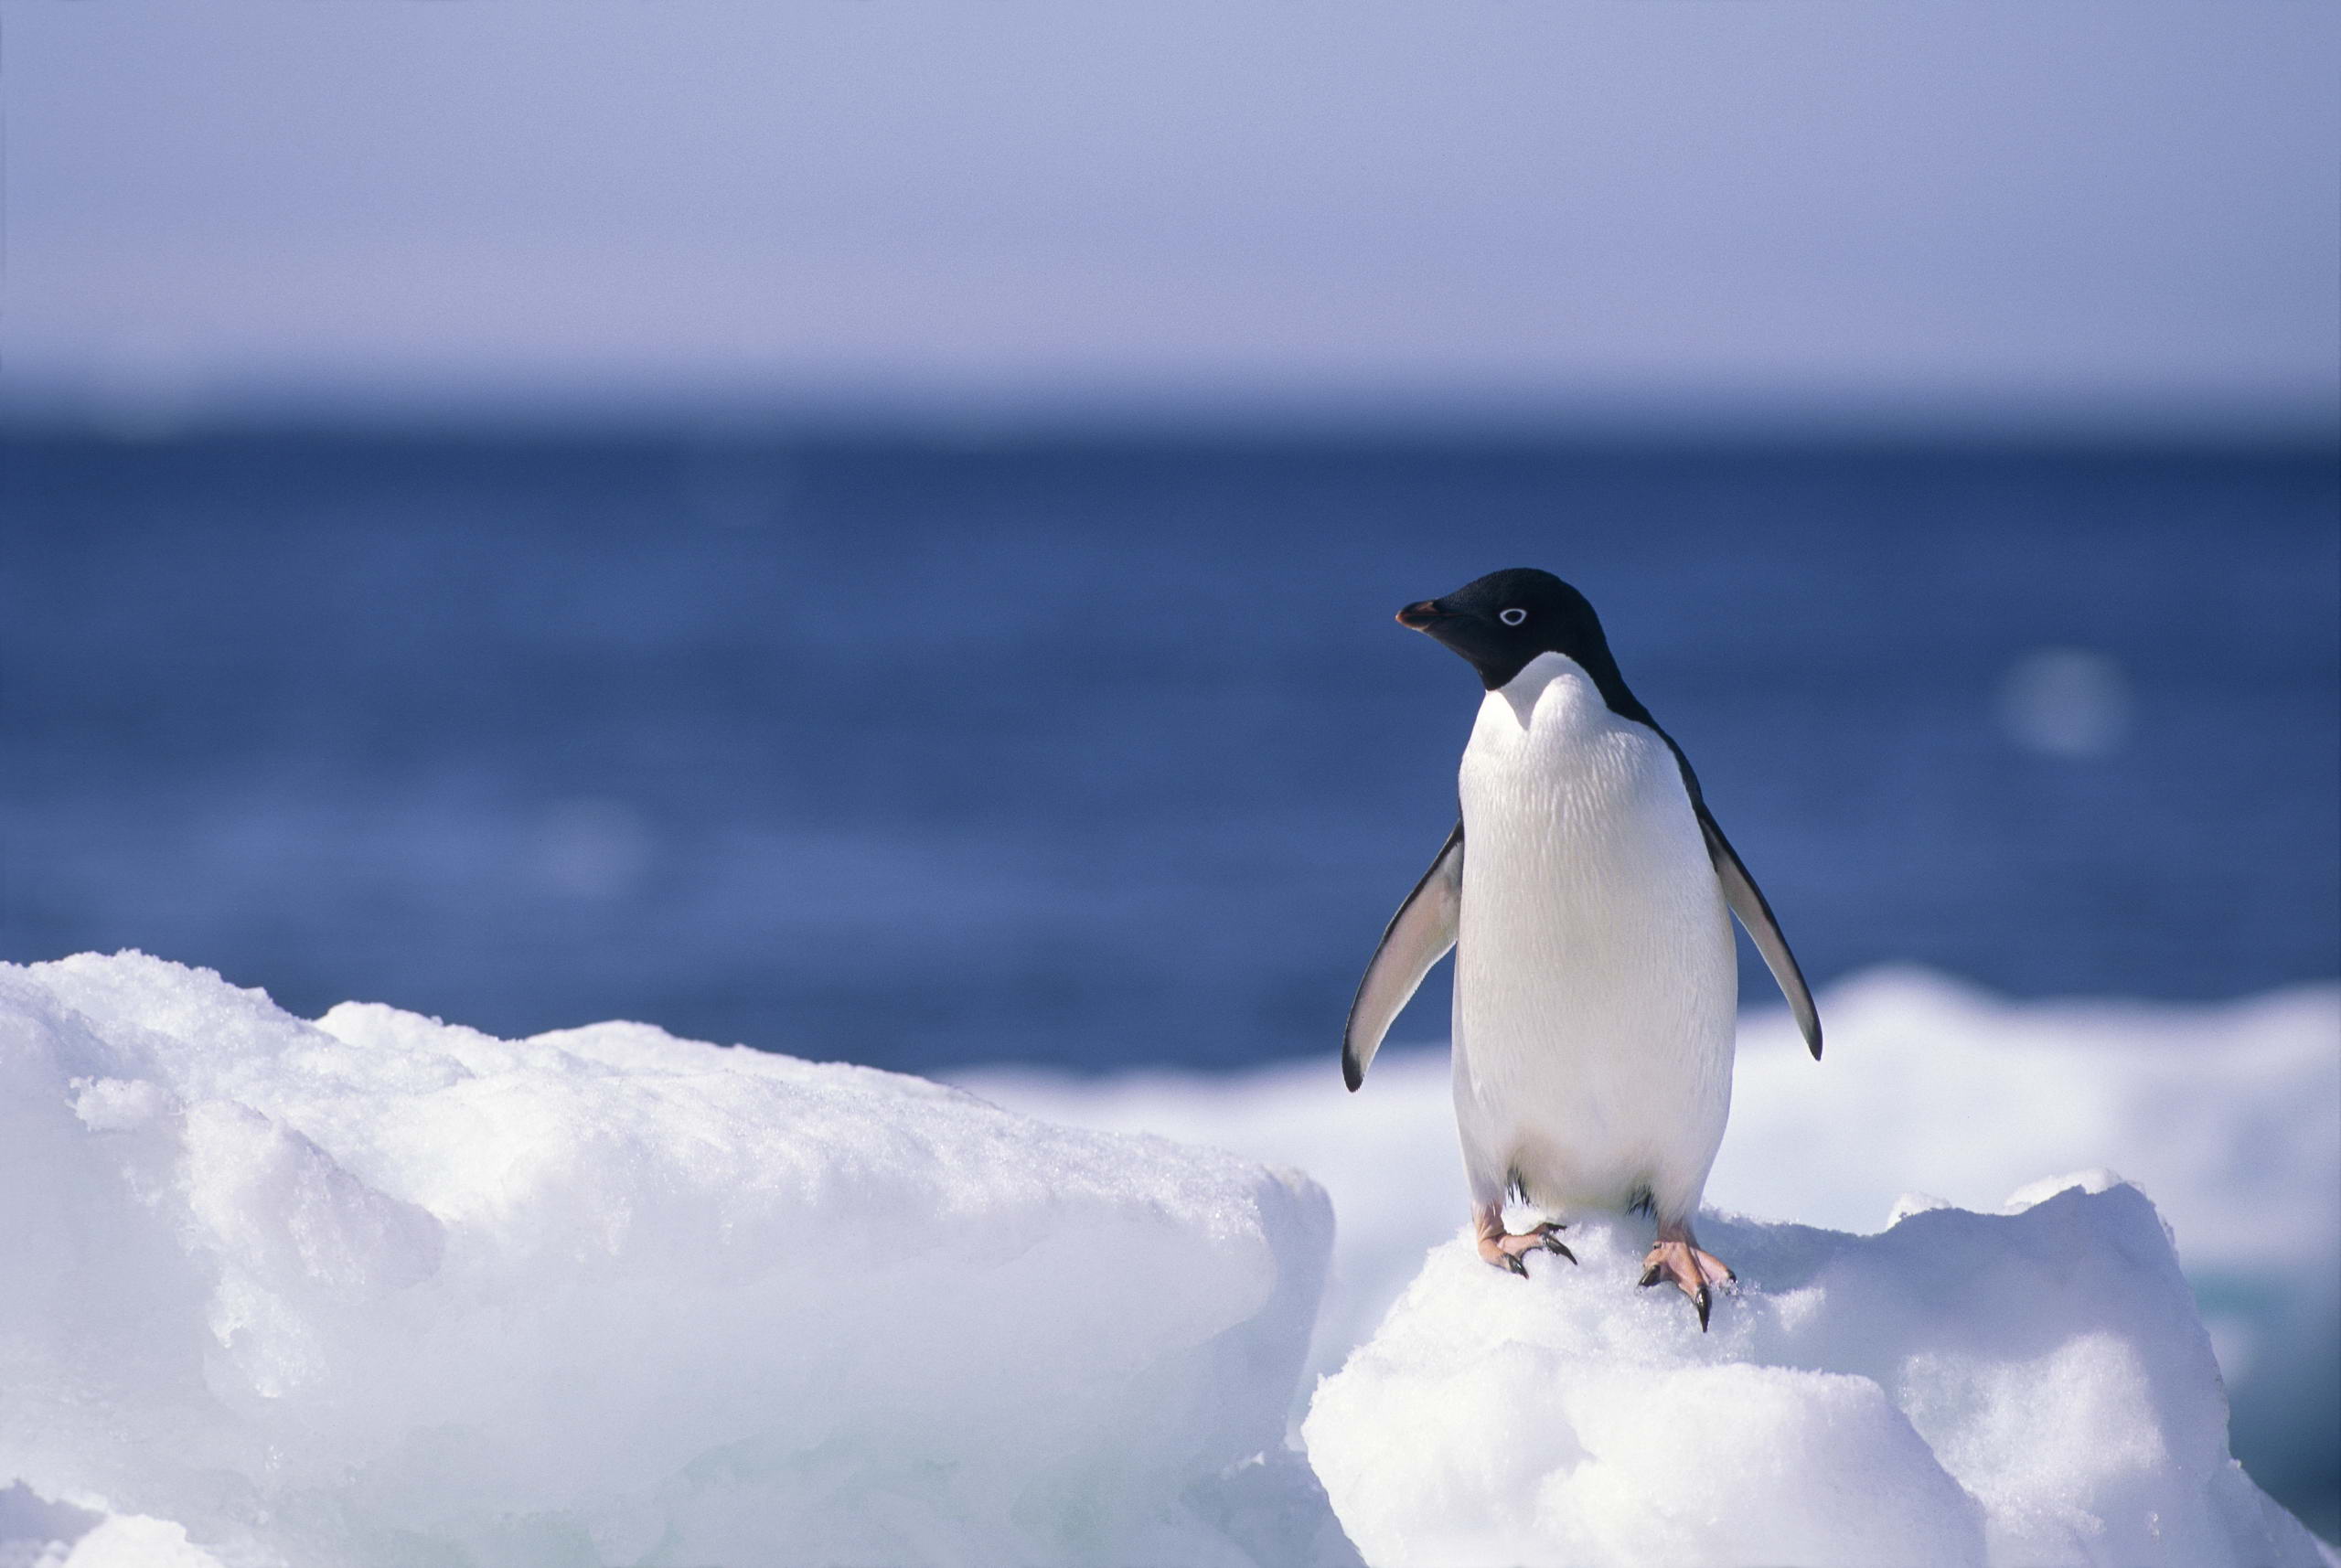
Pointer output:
x,y
1595,980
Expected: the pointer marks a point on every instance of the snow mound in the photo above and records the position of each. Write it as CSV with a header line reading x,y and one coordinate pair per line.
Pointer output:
x,y
2032,1388
37,1534
377,1289
1933,1094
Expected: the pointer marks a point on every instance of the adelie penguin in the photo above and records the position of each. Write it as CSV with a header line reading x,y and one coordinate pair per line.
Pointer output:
x,y
1588,895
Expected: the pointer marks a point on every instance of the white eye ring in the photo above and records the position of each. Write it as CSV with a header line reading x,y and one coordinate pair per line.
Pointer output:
x,y
1513,617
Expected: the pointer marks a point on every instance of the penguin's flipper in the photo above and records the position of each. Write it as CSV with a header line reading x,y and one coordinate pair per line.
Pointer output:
x,y
1747,901
1418,936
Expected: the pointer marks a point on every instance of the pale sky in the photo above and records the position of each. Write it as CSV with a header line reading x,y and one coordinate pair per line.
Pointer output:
x,y
2077,212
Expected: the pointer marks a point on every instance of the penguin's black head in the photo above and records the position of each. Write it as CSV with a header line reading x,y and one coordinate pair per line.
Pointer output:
x,y
1505,619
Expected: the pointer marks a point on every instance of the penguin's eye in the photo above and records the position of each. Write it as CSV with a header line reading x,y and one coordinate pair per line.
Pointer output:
x,y
1513,617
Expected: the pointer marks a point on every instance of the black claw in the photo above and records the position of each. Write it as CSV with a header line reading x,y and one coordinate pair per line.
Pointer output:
x,y
1515,1265
1650,1277
1700,1301
1551,1245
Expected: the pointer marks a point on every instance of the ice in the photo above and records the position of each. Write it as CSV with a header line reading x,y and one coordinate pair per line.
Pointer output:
x,y
133,1541
1932,1094
2032,1388
378,1289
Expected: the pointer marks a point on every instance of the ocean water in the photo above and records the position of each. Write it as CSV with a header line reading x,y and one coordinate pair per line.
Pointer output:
x,y
1092,753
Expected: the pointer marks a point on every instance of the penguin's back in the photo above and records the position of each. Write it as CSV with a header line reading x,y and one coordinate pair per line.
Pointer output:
x,y
1596,982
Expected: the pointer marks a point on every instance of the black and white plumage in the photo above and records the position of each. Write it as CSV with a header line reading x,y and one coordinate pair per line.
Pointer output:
x,y
1588,894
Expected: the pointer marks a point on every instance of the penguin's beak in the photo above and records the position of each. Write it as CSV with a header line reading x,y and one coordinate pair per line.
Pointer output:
x,y
1419,615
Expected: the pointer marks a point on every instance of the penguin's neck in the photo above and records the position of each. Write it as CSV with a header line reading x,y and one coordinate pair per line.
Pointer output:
x,y
1553,682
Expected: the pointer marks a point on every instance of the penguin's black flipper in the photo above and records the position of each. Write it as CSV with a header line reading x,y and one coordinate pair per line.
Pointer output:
x,y
1418,936
1747,901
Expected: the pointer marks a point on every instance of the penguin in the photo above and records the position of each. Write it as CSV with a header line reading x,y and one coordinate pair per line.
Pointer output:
x,y
1588,894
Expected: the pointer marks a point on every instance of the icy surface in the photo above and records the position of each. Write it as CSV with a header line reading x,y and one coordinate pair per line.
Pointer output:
x,y
380,1290
1932,1093
2024,1389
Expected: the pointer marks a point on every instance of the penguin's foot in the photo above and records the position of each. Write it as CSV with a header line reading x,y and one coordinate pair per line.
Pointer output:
x,y
1505,1249
1693,1271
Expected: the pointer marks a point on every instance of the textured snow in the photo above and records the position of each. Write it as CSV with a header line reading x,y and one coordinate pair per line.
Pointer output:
x,y
2019,1389
378,1289
1932,1093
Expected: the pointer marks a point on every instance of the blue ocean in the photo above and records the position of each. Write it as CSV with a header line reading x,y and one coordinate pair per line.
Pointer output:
x,y
1101,752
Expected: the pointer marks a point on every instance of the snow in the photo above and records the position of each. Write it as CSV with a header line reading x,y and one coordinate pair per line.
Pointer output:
x,y
2029,1388
98,1540
1932,1093
378,1289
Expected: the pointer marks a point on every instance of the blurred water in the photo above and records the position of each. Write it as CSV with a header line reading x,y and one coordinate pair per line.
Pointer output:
x,y
1089,753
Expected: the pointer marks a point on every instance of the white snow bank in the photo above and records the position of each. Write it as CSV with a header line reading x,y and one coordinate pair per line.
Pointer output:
x,y
2028,1389
380,1290
2228,1115
37,1533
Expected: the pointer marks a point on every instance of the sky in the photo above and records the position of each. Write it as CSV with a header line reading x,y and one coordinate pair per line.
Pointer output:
x,y
2055,212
